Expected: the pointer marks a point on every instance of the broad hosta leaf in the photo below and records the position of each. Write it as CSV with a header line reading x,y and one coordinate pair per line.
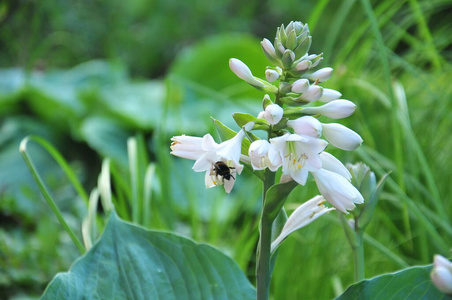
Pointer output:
x,y
411,283
129,262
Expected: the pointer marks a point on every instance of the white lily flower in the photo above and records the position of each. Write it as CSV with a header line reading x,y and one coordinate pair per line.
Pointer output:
x,y
330,95
331,163
300,86
263,155
321,75
208,155
313,93
341,137
302,216
273,113
306,125
336,109
441,274
299,154
337,190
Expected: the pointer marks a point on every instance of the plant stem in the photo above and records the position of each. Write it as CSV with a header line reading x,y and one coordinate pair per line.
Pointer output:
x,y
263,274
358,253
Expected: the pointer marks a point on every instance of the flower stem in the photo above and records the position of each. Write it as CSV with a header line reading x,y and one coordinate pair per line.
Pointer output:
x,y
358,253
263,273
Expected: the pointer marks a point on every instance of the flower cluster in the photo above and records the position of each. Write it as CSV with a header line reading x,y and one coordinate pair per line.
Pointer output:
x,y
296,140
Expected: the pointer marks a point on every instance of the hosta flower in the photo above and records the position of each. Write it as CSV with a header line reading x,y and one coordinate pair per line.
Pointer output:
x,y
306,125
442,274
321,75
208,154
331,163
341,137
337,190
243,72
302,216
330,95
264,155
299,155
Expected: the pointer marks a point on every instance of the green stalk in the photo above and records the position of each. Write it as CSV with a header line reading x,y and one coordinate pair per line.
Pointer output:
x,y
46,194
263,273
358,253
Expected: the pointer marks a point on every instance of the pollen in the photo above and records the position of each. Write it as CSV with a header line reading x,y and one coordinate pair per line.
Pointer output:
x,y
299,165
174,143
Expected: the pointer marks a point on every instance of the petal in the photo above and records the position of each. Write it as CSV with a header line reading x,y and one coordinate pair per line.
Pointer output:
x,y
331,163
442,278
341,137
306,125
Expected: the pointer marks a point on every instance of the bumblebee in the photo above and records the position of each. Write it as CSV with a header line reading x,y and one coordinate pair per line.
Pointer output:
x,y
220,168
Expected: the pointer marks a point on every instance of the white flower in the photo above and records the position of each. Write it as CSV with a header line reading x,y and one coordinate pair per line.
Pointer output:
x,y
299,154
303,65
329,95
331,163
320,75
207,153
300,86
441,274
268,48
337,190
263,155
306,125
313,93
273,113
341,137
302,216
336,109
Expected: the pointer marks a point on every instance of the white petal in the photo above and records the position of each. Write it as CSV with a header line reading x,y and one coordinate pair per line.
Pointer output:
x,y
271,75
268,47
337,190
302,216
188,147
231,149
336,109
306,125
273,113
329,95
243,72
341,137
331,163
442,278
320,75
300,86
313,93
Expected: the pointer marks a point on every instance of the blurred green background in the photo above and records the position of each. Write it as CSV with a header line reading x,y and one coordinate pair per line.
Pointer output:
x,y
87,75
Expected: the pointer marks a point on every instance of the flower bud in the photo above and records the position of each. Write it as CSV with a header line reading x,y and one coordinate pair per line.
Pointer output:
x,y
441,274
300,86
303,65
336,109
341,137
270,52
306,125
271,75
243,72
331,163
329,95
313,93
321,75
273,113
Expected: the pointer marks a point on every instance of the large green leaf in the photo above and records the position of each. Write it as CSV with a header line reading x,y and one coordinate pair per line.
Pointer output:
x,y
129,262
410,283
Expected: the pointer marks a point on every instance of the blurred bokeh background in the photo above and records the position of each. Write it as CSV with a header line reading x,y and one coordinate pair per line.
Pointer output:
x,y
88,75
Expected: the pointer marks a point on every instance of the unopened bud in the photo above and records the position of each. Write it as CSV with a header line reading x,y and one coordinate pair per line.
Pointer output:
x,y
300,86
341,137
336,109
329,95
441,274
321,75
273,113
303,65
313,93
271,75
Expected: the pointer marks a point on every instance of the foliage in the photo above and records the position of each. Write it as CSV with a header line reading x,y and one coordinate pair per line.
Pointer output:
x,y
89,109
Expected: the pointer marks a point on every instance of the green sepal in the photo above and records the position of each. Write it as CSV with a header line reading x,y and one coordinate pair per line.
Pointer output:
x,y
287,59
242,119
291,101
275,198
266,102
369,206
281,124
291,40
304,47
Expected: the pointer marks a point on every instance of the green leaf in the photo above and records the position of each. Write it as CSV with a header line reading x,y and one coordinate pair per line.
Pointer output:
x,y
410,283
275,198
129,262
